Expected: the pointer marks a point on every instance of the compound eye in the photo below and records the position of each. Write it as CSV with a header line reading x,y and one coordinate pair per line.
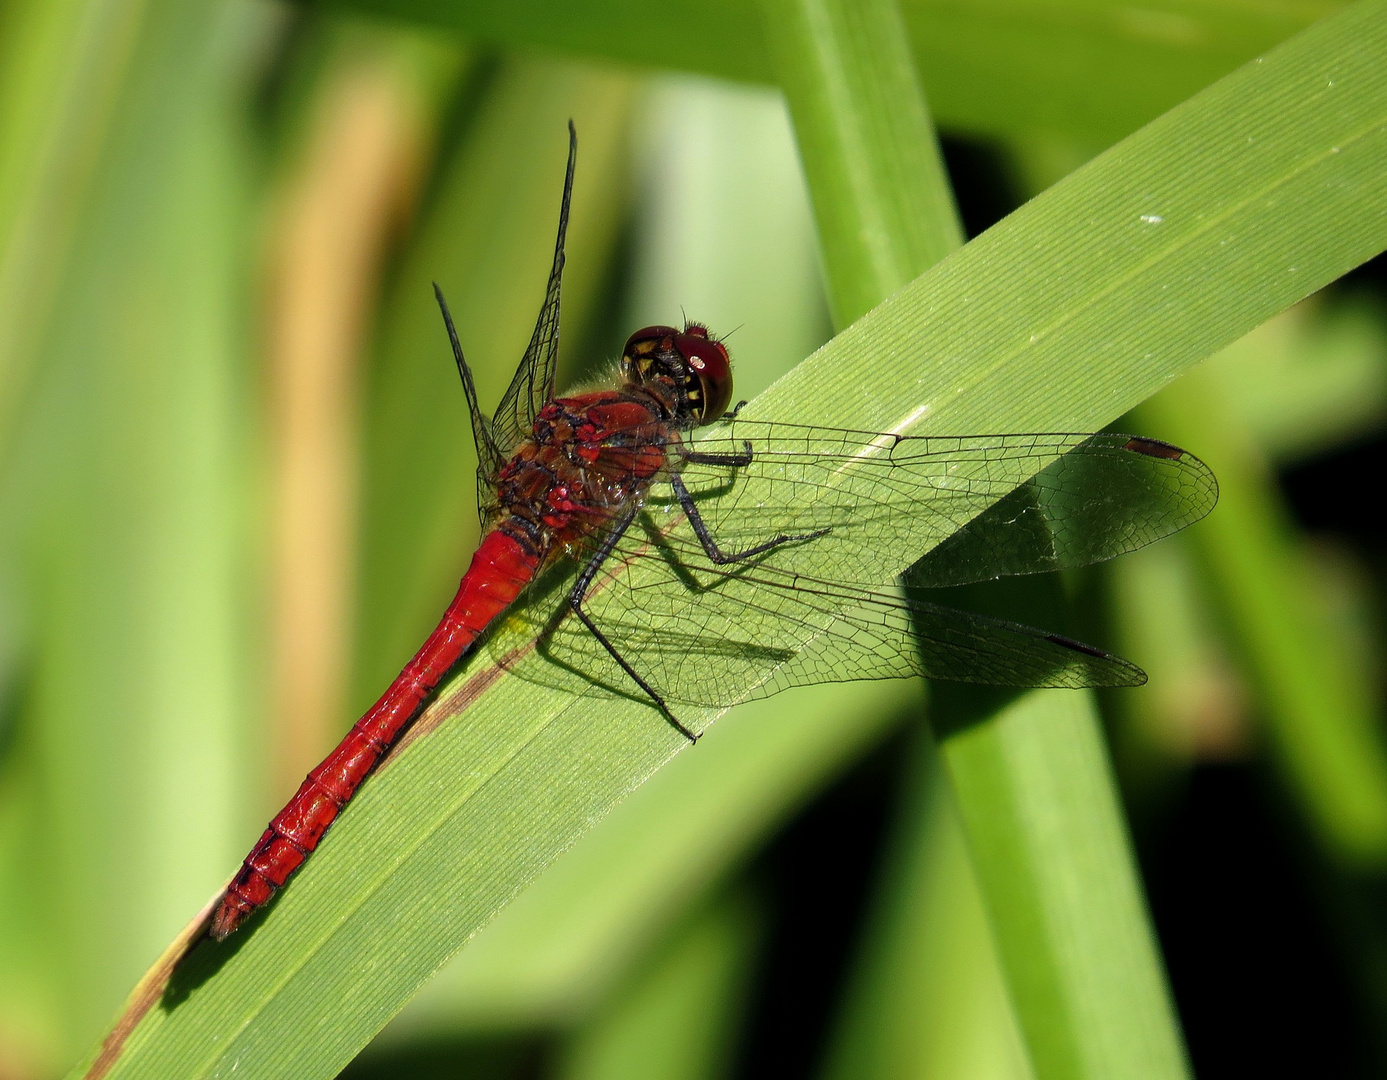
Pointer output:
x,y
710,375
646,341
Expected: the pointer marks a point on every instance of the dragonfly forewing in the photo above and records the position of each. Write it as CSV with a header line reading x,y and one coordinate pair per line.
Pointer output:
x,y
885,500
986,506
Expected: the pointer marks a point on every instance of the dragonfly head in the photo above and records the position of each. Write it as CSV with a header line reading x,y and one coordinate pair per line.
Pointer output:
x,y
695,365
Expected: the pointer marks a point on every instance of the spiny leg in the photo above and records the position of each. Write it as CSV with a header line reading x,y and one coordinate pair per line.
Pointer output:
x,y
575,602
705,537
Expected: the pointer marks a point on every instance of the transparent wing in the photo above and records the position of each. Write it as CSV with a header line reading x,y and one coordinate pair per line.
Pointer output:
x,y
976,507
714,636
489,456
533,383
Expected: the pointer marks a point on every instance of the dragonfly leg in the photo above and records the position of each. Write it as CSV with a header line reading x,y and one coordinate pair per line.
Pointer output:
x,y
731,414
575,602
710,546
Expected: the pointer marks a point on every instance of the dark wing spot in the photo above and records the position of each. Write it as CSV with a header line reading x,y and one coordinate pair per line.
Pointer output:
x,y
1154,448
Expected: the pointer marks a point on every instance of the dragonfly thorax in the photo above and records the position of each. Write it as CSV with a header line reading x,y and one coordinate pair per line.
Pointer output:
x,y
688,362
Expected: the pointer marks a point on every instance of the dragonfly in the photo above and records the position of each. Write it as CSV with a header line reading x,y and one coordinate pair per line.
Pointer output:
x,y
644,539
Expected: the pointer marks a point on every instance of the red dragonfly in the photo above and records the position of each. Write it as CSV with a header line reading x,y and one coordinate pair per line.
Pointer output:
x,y
759,569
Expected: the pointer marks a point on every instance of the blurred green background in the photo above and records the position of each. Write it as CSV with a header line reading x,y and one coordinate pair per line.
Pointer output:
x,y
236,487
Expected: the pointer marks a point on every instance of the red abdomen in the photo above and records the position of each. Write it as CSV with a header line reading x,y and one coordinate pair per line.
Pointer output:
x,y
500,569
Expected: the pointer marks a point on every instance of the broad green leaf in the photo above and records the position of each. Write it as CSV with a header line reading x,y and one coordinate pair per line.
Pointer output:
x,y
1168,247
1095,69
